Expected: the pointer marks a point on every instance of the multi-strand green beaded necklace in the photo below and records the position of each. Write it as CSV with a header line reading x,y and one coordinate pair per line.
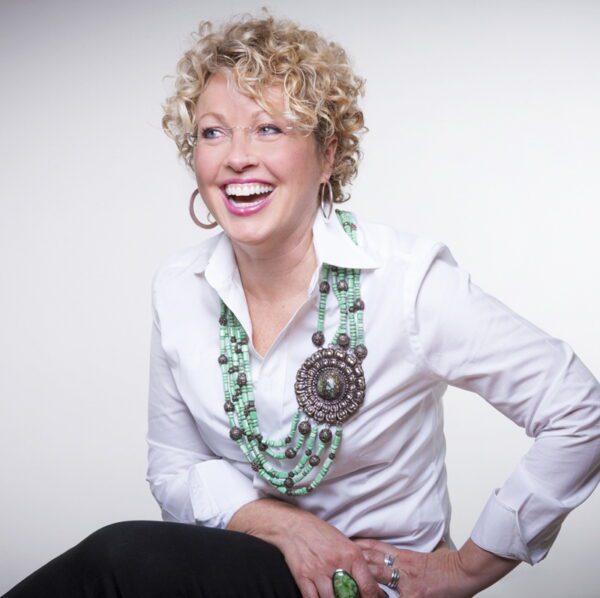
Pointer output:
x,y
330,386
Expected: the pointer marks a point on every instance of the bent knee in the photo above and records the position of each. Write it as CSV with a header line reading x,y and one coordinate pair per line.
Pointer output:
x,y
113,545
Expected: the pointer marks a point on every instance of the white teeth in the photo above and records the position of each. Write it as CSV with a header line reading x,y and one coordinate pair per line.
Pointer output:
x,y
246,189
245,204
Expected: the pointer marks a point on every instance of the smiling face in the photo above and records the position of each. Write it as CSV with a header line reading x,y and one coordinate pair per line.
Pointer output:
x,y
258,177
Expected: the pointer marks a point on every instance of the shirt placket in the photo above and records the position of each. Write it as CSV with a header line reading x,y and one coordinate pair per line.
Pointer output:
x,y
268,382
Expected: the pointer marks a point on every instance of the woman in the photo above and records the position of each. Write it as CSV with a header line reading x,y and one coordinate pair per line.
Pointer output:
x,y
298,363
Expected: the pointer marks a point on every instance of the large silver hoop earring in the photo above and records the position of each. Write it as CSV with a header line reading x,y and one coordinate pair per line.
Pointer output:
x,y
193,214
326,204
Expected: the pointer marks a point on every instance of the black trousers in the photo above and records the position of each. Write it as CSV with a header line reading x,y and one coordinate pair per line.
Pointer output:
x,y
148,559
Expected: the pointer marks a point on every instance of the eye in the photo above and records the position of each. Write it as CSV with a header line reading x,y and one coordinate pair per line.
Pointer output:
x,y
268,129
212,133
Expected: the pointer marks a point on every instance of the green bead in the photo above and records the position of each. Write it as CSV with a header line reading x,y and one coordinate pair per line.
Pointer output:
x,y
344,585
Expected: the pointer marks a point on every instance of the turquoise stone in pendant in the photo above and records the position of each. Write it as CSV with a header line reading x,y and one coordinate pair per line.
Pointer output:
x,y
329,385
344,585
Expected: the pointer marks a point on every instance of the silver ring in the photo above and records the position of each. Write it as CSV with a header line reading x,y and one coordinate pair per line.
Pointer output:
x,y
393,583
388,560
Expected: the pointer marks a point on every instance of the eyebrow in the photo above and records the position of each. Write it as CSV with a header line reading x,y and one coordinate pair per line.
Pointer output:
x,y
222,118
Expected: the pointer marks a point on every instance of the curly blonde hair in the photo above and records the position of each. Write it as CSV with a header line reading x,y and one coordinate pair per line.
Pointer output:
x,y
319,86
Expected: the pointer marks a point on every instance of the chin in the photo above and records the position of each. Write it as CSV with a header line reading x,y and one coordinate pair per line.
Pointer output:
x,y
248,233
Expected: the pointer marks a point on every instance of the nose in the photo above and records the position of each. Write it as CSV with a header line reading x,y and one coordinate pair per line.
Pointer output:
x,y
240,154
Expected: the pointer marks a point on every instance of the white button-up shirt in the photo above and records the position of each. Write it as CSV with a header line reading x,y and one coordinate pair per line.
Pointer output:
x,y
426,326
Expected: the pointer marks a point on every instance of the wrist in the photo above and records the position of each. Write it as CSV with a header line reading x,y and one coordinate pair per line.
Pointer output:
x,y
479,568
269,519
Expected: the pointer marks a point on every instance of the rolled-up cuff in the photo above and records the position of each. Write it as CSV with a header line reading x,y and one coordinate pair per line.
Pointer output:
x,y
217,490
497,531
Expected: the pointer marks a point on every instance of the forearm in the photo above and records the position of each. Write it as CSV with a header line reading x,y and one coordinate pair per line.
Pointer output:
x,y
263,518
480,568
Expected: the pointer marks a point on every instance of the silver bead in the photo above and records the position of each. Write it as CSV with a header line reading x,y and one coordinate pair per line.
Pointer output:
x,y
325,435
343,340
304,427
235,433
318,338
360,351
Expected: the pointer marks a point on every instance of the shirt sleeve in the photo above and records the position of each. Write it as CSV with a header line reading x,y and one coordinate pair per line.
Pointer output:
x,y
190,483
469,339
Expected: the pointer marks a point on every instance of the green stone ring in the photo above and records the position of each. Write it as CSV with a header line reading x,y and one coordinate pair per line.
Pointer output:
x,y
344,585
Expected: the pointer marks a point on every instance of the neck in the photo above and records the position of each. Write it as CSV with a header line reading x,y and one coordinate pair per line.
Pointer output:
x,y
276,275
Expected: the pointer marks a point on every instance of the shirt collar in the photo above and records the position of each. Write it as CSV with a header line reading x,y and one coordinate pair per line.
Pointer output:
x,y
332,245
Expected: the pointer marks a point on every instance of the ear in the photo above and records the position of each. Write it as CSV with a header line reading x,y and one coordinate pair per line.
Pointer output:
x,y
328,158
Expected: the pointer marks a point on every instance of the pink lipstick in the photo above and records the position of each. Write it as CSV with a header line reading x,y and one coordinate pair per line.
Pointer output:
x,y
245,197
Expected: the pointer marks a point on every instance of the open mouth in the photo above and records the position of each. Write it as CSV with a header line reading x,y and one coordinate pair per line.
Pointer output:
x,y
247,195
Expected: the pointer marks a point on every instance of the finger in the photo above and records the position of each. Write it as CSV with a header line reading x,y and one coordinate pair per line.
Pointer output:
x,y
374,557
400,555
325,587
307,588
376,552
373,544
367,543
393,578
366,581
384,574
381,573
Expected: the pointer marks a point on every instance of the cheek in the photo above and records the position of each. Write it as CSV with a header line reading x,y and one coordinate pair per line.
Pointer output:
x,y
300,168
206,174
205,169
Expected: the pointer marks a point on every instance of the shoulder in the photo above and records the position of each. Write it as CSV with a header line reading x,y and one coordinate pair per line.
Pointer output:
x,y
184,262
394,245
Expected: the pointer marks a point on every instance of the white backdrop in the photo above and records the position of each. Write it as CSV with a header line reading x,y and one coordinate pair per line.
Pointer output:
x,y
484,134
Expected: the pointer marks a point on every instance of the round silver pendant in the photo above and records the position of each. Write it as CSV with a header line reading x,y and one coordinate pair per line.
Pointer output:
x,y
330,385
